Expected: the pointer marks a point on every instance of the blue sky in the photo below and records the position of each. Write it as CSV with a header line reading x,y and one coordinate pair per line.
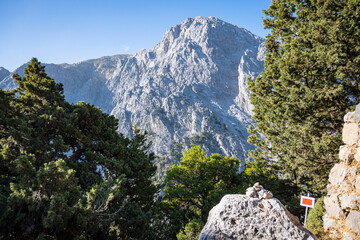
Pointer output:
x,y
69,31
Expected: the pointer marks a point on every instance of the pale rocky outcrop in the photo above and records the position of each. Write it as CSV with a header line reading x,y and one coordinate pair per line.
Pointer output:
x,y
342,203
256,215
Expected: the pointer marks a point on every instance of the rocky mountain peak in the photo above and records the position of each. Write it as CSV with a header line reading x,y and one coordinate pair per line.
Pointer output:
x,y
190,89
214,36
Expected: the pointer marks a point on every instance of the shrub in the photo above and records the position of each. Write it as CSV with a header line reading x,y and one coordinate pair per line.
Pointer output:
x,y
314,221
192,230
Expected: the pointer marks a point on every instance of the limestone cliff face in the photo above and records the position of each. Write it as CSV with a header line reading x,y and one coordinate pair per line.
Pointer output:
x,y
190,89
3,73
256,215
342,203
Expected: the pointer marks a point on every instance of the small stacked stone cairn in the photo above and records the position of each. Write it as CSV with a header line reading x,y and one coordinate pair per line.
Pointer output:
x,y
257,191
342,203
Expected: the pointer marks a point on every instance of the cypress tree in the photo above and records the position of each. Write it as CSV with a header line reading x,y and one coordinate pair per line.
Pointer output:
x,y
311,80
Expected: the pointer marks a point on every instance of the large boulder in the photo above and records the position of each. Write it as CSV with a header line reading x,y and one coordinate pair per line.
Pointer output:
x,y
244,217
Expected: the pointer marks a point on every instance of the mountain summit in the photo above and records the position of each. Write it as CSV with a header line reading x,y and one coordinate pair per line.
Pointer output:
x,y
190,89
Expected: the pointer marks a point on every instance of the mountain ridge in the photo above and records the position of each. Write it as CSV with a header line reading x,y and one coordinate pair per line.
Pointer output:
x,y
189,89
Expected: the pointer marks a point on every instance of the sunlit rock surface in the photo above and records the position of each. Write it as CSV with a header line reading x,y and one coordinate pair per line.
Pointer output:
x,y
190,89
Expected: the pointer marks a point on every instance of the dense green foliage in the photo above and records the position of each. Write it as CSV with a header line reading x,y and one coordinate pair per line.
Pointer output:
x,y
314,221
194,186
311,80
65,172
192,230
198,183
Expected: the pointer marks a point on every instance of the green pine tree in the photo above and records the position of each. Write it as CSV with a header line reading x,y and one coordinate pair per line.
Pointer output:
x,y
311,80
193,187
65,172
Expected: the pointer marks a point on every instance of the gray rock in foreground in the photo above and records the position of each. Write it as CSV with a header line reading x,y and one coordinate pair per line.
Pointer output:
x,y
241,217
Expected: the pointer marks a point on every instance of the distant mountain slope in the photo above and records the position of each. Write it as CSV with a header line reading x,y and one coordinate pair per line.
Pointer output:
x,y
3,73
190,89
84,81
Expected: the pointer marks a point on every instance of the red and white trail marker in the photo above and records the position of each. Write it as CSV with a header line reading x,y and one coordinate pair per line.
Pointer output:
x,y
307,201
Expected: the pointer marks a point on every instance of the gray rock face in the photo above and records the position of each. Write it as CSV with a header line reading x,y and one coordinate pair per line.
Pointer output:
x,y
333,206
241,217
84,81
349,201
352,221
337,174
3,73
329,223
345,154
348,236
351,133
190,89
357,113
